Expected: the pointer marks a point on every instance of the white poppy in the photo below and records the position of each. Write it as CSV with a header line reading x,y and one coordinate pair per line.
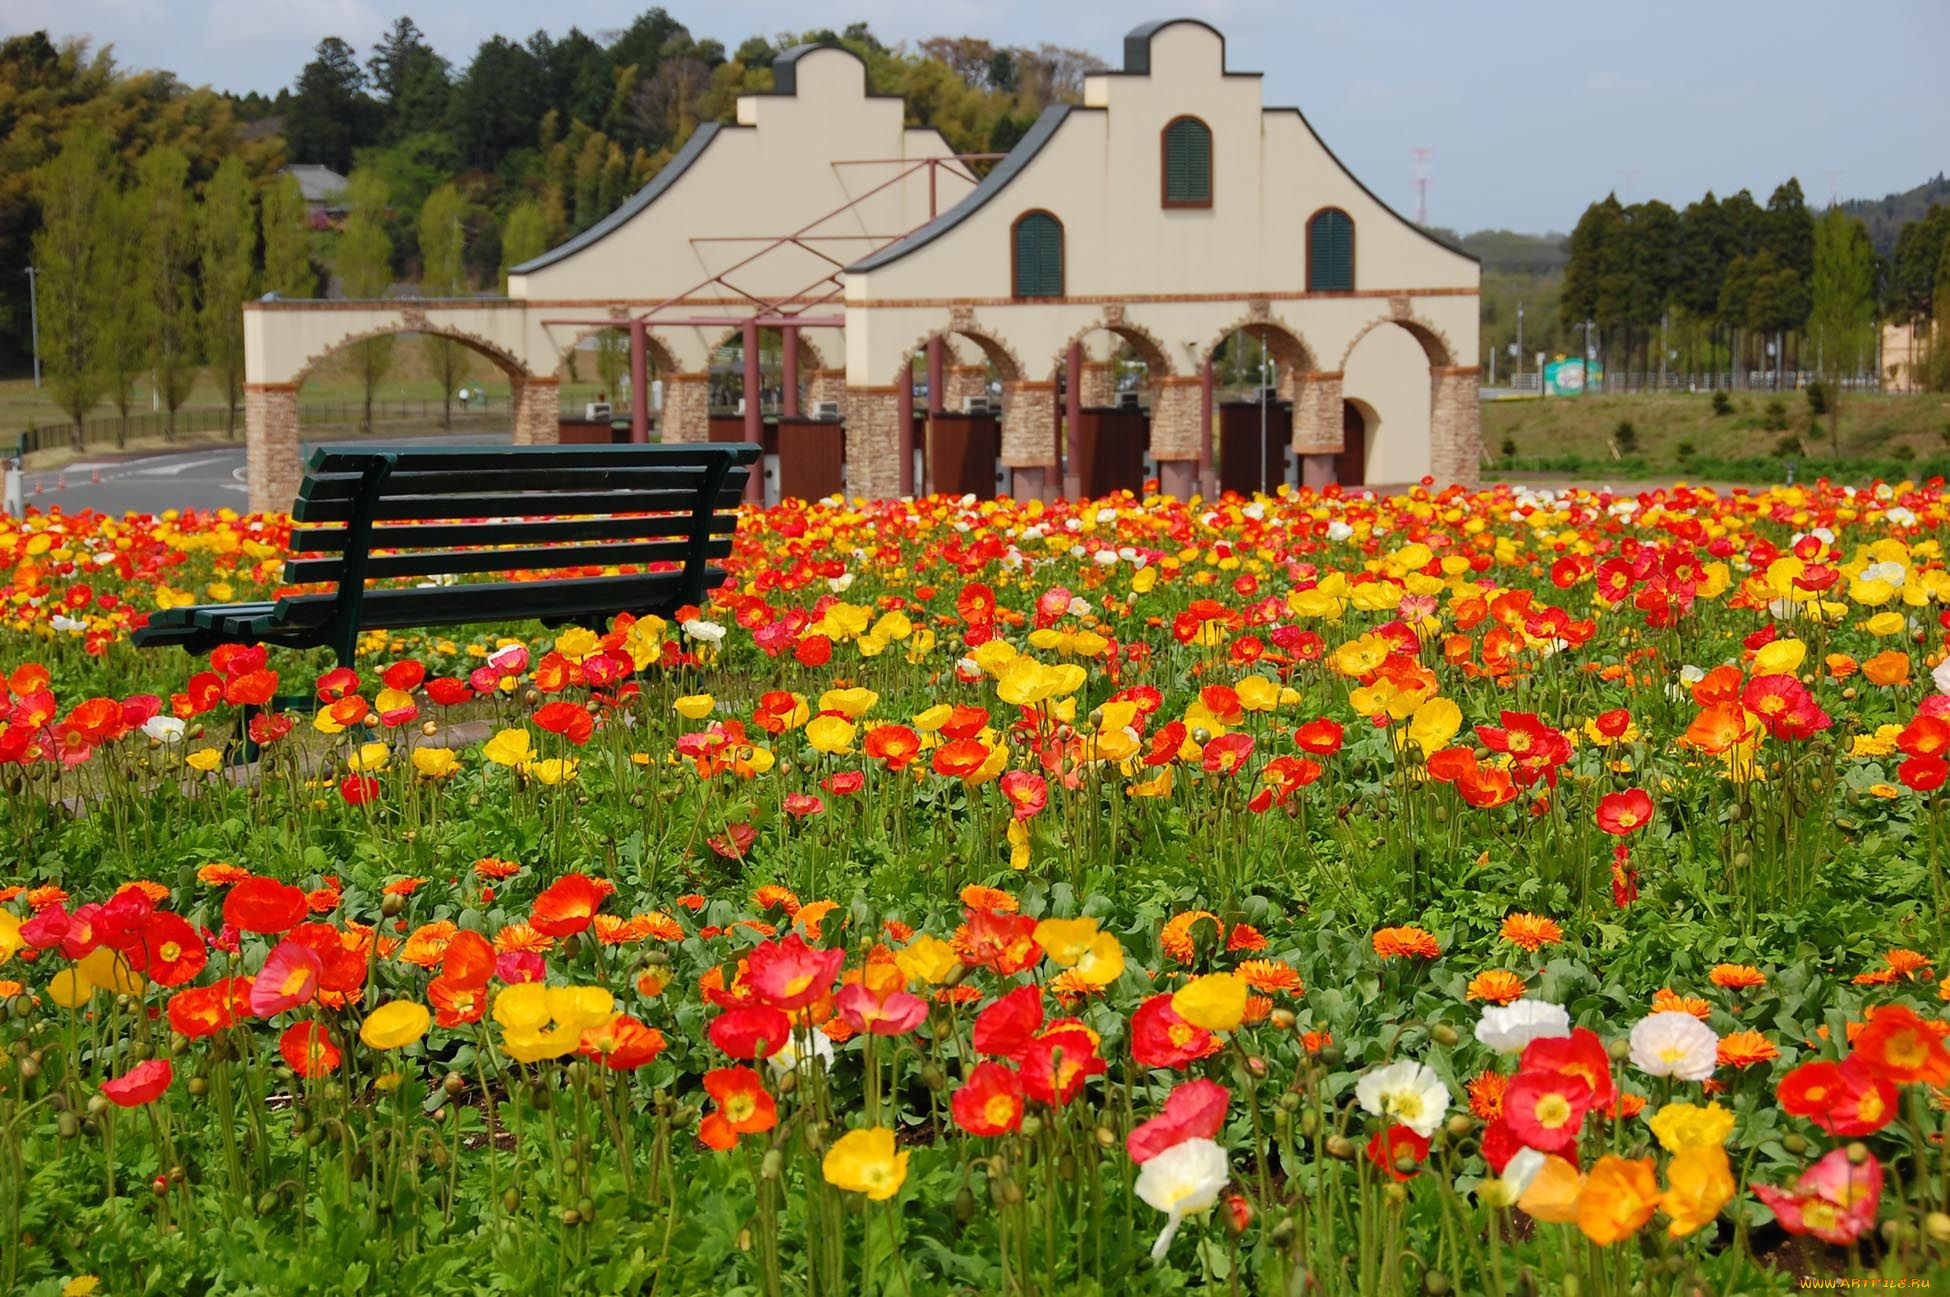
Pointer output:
x,y
708,631
1338,531
1674,1044
1942,676
1507,1028
1405,1092
787,1059
1520,1170
164,729
1182,1181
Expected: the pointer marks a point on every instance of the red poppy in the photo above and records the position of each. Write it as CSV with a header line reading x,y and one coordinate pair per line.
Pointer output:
x,y
1923,774
790,974
252,689
1580,1054
456,1003
1899,1046
751,1031
1546,1109
1056,1064
264,905
1027,791
199,1011
567,906
1845,1098
288,979
1626,812
894,746
1003,942
1193,1110
404,676
1926,736
1006,1027
1160,1038
844,783
468,959
143,1083
744,1107
571,720
990,1101
1391,1147
1321,737
308,1049
339,682
446,691
623,1045
1227,753
171,951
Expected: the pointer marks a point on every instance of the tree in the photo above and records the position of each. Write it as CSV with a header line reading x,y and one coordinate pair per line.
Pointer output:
x,y
365,270
1842,317
411,81
226,231
496,103
288,271
1912,271
76,193
166,222
330,114
442,254
523,238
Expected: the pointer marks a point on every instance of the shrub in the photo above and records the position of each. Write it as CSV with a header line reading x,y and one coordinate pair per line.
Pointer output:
x,y
1509,448
1685,450
1788,447
1776,419
1902,453
1722,403
1625,437
1817,398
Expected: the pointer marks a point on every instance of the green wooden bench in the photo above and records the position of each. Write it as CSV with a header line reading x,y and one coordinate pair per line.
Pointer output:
x,y
430,515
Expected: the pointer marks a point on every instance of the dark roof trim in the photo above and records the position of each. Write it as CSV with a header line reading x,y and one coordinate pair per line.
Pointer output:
x,y
785,69
1372,196
992,184
1137,48
673,170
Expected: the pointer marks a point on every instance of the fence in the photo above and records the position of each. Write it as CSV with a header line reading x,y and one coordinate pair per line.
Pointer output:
x,y
1616,382
112,431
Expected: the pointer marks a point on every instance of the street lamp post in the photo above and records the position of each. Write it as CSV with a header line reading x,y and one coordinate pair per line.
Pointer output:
x,y
34,323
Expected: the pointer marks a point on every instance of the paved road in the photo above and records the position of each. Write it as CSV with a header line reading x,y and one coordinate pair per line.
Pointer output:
x,y
209,477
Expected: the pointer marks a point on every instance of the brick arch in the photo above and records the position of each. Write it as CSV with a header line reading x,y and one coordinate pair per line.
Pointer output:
x,y
1284,344
662,359
506,361
1008,365
1150,348
1435,344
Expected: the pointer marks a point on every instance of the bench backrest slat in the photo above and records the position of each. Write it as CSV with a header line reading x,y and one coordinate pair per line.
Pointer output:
x,y
522,479
446,535
517,504
546,558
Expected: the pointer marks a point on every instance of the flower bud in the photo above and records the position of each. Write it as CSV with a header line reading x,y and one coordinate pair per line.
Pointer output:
x,y
1445,1035
1032,1125
1282,1019
1620,1049
773,1163
1395,1194
1937,1226
1858,1153
1340,1146
1796,1144
1460,1124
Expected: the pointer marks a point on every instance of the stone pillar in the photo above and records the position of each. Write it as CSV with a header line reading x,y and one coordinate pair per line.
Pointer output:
x,y
271,465
964,381
1028,436
538,411
687,407
1175,419
1098,384
1317,426
1455,425
872,442
827,385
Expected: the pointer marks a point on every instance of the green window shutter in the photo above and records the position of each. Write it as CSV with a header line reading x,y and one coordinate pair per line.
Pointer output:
x,y
1039,256
1188,162
1330,252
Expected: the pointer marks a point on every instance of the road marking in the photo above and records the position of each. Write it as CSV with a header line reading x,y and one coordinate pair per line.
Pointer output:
x,y
173,469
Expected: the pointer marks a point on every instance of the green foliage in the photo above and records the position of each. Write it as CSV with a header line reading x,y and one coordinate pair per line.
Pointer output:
x,y
1775,420
522,238
226,231
288,269
76,193
1722,402
365,267
165,217
330,115
1625,437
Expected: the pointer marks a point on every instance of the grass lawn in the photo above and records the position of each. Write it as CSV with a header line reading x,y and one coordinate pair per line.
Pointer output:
x,y
1880,433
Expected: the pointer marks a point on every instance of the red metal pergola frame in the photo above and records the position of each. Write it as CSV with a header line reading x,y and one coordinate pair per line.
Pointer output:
x,y
788,314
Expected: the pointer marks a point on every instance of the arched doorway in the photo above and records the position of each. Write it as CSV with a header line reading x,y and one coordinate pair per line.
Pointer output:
x,y
1351,465
1108,380
1255,370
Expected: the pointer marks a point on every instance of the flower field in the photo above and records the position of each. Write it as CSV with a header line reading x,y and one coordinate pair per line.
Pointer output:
x,y
1494,893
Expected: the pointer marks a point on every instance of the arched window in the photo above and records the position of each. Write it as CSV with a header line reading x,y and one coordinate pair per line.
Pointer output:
x,y
1187,163
1330,252
1036,256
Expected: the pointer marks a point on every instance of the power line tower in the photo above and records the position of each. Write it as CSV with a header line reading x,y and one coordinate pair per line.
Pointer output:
x,y
1422,156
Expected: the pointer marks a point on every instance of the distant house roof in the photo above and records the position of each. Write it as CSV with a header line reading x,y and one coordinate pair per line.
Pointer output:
x,y
318,184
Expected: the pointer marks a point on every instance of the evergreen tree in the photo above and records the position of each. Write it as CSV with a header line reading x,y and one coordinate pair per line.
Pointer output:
x,y
288,270
496,103
226,244
365,270
411,81
330,114
76,193
442,255
1842,319
166,222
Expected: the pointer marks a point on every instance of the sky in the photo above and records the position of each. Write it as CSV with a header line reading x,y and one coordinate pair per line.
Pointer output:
x,y
1531,109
